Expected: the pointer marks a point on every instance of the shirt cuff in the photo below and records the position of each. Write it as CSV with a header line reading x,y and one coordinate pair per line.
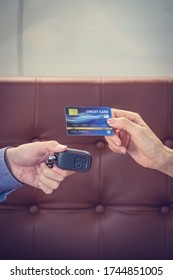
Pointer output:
x,y
7,181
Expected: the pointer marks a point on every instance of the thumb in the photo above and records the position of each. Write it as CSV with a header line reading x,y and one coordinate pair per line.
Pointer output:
x,y
50,146
123,123
60,148
54,146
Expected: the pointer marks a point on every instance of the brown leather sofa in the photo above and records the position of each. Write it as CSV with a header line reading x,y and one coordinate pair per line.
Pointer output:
x,y
118,210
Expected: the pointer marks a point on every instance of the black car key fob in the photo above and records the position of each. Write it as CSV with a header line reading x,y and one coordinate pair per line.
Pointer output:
x,y
71,159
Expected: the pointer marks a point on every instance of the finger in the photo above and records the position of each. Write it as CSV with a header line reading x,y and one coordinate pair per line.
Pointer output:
x,y
47,189
59,148
53,146
48,178
62,172
115,149
114,138
51,174
132,116
125,138
110,140
49,182
123,123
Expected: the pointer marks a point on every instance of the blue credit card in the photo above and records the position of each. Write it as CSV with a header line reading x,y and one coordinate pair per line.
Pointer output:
x,y
88,121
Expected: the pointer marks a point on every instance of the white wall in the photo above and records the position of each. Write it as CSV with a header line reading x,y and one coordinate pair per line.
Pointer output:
x,y
86,37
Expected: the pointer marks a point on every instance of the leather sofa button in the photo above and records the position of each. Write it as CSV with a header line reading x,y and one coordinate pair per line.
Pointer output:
x,y
34,209
169,143
99,209
101,145
165,210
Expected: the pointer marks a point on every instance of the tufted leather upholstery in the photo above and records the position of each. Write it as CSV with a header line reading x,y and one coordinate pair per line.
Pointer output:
x,y
119,210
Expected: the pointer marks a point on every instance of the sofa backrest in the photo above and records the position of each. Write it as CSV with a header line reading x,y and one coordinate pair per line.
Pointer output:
x,y
118,210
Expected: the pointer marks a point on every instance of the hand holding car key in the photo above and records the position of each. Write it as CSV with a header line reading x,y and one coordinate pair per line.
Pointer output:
x,y
71,159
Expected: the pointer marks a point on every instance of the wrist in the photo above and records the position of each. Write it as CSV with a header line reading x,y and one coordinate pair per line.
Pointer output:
x,y
7,158
9,162
166,161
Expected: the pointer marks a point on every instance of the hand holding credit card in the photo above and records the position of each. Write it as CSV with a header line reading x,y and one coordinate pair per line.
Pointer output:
x,y
88,121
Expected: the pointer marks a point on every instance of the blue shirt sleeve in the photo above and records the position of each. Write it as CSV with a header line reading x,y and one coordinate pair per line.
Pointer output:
x,y
8,183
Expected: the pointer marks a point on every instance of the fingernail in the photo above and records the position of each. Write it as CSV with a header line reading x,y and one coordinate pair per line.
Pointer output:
x,y
110,120
63,146
122,150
